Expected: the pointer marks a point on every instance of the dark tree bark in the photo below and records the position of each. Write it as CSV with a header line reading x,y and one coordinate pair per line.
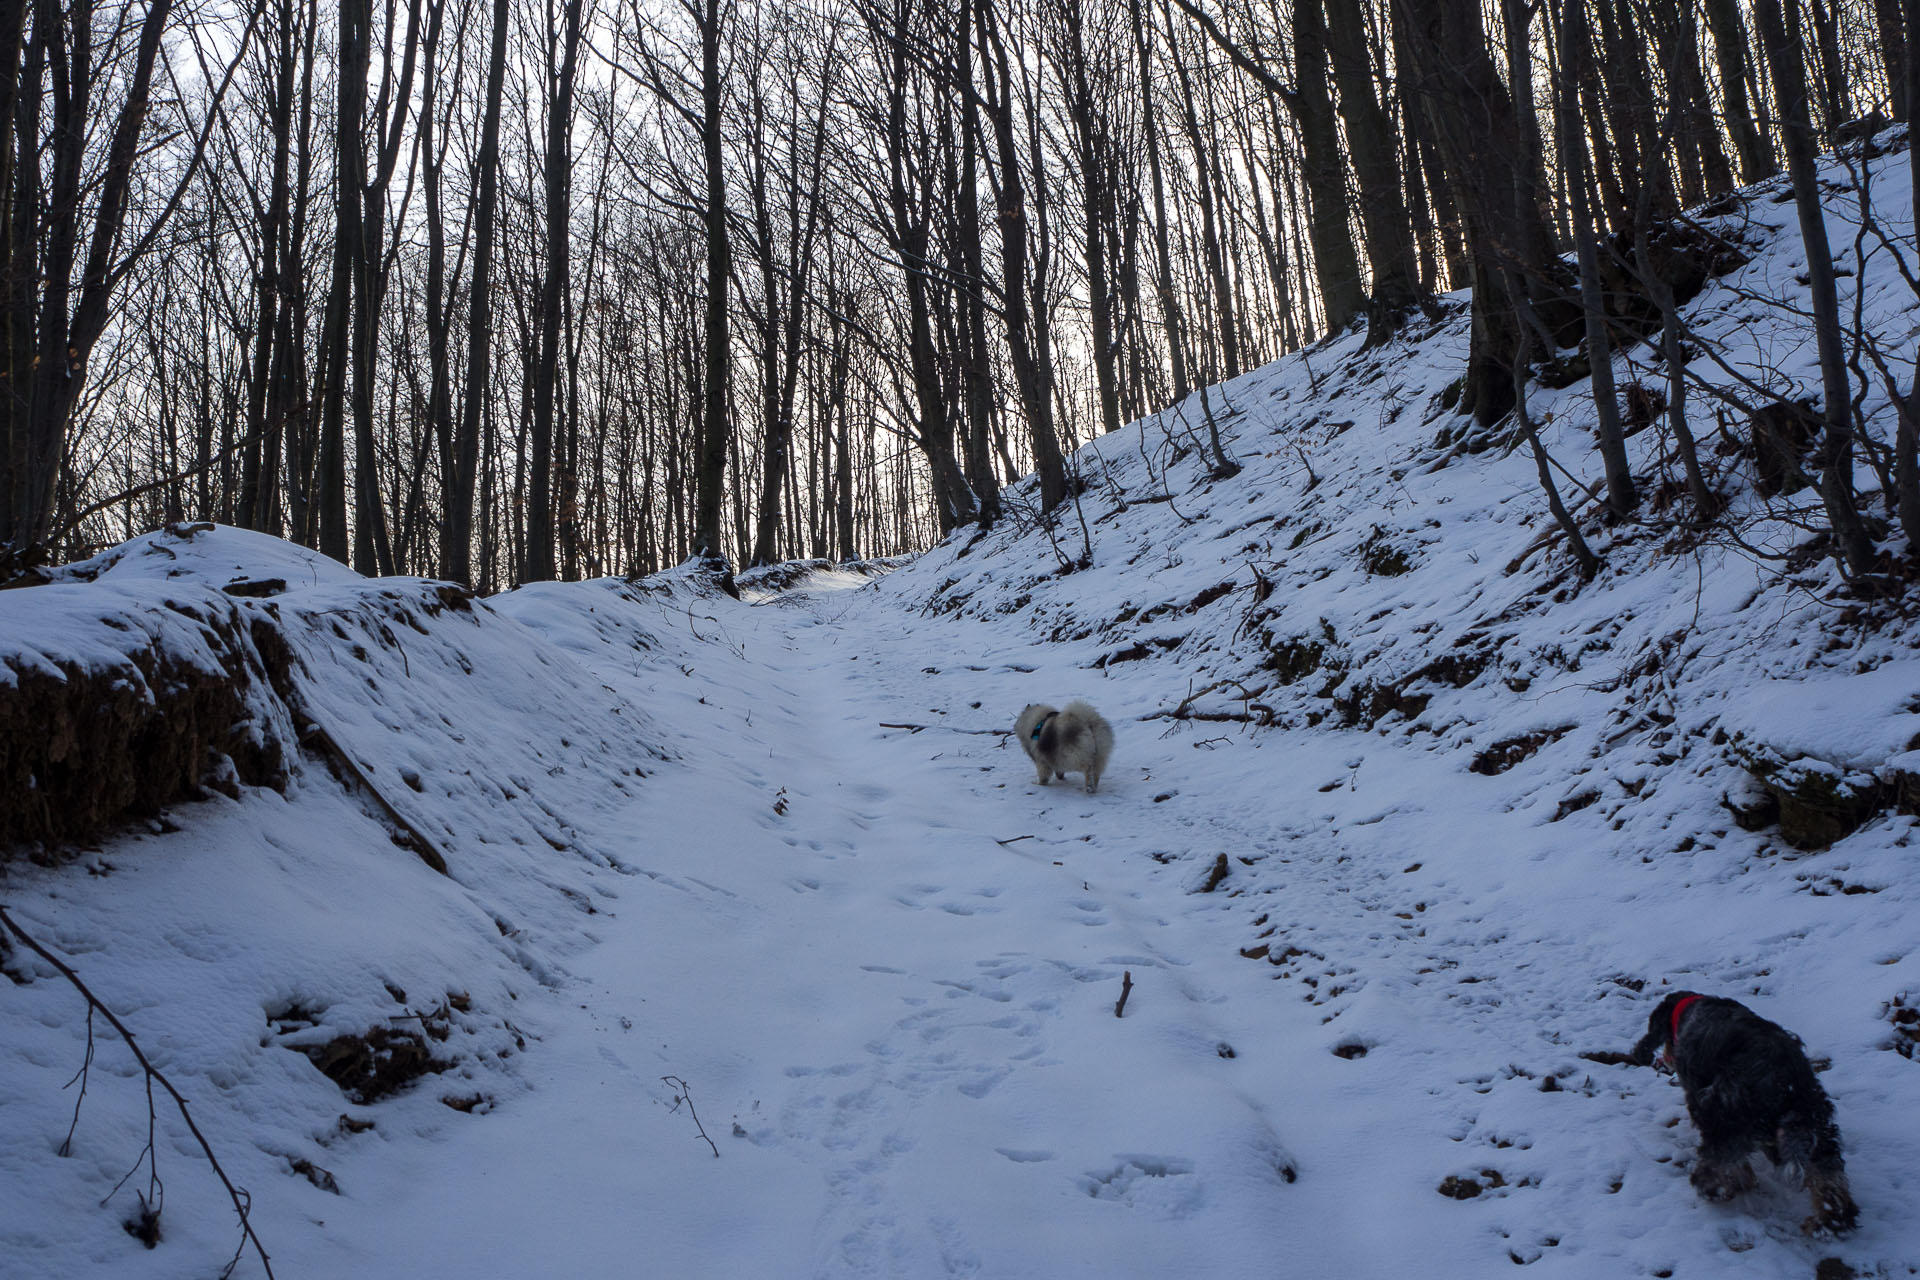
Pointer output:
x,y
1750,141
372,548
1785,49
1310,101
1376,166
976,365
1093,144
717,359
456,540
438,306
1212,252
1490,148
1576,62
908,228
260,463
1169,299
784,323
540,562
50,342
1025,347
349,254
1836,91
1891,29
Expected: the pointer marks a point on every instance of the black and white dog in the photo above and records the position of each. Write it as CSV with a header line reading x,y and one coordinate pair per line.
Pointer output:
x,y
1749,1087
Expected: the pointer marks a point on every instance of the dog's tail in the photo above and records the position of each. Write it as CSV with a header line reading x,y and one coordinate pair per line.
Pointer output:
x,y
1102,731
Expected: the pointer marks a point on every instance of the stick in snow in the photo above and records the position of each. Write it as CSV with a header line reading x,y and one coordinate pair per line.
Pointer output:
x,y
241,1201
915,728
428,852
1126,989
684,1094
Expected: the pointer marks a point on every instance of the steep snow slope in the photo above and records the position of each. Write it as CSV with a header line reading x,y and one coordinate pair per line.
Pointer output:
x,y
767,869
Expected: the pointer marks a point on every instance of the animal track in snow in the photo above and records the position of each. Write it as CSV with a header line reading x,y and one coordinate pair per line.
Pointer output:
x,y
1023,1156
1160,1183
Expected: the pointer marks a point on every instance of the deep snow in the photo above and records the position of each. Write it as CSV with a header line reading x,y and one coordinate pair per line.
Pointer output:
x,y
694,872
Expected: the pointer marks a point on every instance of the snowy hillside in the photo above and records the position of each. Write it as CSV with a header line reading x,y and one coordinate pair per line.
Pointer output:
x,y
611,929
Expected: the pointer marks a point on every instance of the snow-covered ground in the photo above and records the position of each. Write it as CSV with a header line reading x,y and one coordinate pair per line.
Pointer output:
x,y
768,870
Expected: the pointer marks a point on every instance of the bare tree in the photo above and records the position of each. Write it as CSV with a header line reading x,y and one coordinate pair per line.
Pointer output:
x,y
1785,48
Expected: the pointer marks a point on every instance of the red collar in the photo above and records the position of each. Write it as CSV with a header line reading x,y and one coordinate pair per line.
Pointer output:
x,y
1678,1010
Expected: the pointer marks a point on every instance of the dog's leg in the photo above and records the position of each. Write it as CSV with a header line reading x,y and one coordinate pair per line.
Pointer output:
x,y
1093,781
1046,774
1833,1207
1720,1171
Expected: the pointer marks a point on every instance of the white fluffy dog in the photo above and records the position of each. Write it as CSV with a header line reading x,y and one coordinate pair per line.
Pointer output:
x,y
1077,740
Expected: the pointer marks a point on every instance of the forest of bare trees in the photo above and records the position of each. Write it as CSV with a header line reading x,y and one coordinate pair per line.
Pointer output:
x,y
506,290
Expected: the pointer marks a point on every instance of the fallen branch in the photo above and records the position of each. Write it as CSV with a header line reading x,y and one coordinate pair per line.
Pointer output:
x,y
915,728
241,1201
1126,989
683,1094
428,851
1262,718
1257,713
1013,840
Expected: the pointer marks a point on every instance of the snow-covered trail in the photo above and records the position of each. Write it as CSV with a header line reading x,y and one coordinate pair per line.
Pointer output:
x,y
884,964
899,1031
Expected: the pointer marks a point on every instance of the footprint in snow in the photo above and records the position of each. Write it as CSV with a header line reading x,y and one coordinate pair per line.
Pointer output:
x,y
1161,1183
1021,1155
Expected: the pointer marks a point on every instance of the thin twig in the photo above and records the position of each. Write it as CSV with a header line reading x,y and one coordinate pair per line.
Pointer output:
x,y
684,1094
86,1065
915,728
241,1201
1126,989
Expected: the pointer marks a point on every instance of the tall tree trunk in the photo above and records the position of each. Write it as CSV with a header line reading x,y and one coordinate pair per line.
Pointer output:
x,y
1836,93
1576,63
290,399
1750,141
540,563
1169,299
1376,168
1336,264
715,426
1490,148
1092,146
1213,256
70,322
976,369
372,550
258,478
456,539
1892,43
21,60
1785,46
439,307
1029,370
348,254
